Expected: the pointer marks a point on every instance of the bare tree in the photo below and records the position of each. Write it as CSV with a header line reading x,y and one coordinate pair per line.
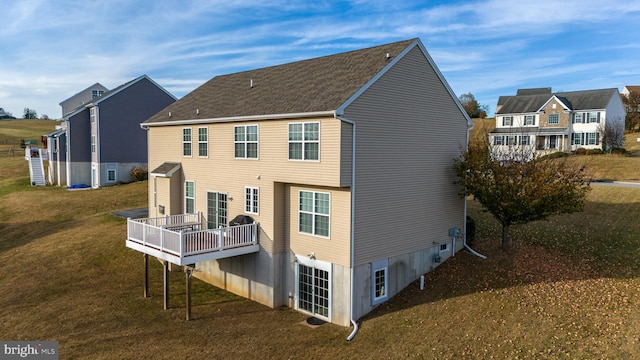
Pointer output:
x,y
612,134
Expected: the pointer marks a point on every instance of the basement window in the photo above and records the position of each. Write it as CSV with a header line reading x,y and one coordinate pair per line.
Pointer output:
x,y
379,281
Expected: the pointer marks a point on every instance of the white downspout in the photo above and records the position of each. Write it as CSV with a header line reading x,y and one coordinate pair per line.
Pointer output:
x,y
352,235
464,237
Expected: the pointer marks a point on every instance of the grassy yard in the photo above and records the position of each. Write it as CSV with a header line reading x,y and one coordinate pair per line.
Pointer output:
x,y
568,288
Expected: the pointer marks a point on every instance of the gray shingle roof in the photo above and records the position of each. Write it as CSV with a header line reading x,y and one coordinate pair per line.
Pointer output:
x,y
575,100
534,91
319,84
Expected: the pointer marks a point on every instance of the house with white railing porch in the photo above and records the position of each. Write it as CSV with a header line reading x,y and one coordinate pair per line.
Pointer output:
x,y
279,145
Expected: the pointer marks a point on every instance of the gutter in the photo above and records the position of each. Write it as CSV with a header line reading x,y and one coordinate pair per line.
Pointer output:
x,y
331,113
352,235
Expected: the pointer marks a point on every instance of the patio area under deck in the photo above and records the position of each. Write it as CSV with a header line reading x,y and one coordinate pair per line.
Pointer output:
x,y
180,240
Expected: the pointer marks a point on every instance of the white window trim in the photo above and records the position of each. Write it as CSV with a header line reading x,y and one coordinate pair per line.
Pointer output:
x,y
190,142
303,141
206,142
444,247
507,121
530,117
94,146
251,200
187,197
115,175
246,142
557,121
313,215
316,264
375,267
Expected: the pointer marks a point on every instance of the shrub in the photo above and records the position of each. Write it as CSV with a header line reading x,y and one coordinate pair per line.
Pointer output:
x,y
619,151
594,152
555,155
581,151
139,173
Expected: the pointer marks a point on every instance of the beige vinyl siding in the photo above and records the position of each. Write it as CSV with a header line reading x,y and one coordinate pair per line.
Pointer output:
x,y
334,249
222,172
409,130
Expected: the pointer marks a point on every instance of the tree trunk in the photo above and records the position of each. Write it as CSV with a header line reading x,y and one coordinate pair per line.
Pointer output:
x,y
505,236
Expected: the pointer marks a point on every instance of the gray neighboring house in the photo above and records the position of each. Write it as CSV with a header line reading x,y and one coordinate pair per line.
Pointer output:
x,y
104,140
82,98
4,115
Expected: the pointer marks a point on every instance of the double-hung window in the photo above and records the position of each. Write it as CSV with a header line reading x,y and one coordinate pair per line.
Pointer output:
x,y
592,138
203,142
246,141
525,140
189,197
507,121
577,118
251,199
93,143
96,93
577,138
314,209
554,119
186,142
304,141
593,117
529,120
511,140
498,140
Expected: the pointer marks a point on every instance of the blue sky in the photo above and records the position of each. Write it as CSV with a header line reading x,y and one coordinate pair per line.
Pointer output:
x,y
50,50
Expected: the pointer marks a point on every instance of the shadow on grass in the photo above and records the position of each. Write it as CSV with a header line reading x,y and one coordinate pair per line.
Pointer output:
x,y
16,235
567,249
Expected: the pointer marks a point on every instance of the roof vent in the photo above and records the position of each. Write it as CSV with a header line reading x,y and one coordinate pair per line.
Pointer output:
x,y
169,113
197,111
251,83
388,56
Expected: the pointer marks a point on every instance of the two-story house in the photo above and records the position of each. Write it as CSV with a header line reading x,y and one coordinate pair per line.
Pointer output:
x,y
340,168
100,141
541,122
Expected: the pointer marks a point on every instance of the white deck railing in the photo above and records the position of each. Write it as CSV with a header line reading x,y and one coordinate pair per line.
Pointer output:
x,y
178,238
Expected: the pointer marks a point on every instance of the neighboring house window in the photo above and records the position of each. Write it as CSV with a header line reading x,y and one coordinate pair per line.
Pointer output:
x,y
511,140
96,93
203,142
93,143
246,141
592,138
554,119
507,121
189,197
379,279
577,118
498,140
186,142
525,140
593,117
576,138
529,120
92,114
314,213
304,141
251,200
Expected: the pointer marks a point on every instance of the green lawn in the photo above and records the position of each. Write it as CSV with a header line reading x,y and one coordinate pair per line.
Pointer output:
x,y
568,288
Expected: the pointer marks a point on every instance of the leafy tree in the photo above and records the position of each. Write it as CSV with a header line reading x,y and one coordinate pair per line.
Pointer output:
x,y
30,114
517,192
472,107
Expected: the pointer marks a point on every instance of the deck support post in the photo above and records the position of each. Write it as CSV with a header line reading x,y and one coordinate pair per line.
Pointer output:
x,y
165,265
188,270
146,275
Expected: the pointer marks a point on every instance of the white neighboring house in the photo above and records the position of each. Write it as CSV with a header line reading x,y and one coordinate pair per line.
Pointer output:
x,y
547,122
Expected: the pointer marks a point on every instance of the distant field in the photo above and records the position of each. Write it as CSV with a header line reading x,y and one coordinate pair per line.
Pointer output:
x,y
569,288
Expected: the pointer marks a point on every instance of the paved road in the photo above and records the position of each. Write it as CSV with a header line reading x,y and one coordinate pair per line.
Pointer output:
x,y
616,183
